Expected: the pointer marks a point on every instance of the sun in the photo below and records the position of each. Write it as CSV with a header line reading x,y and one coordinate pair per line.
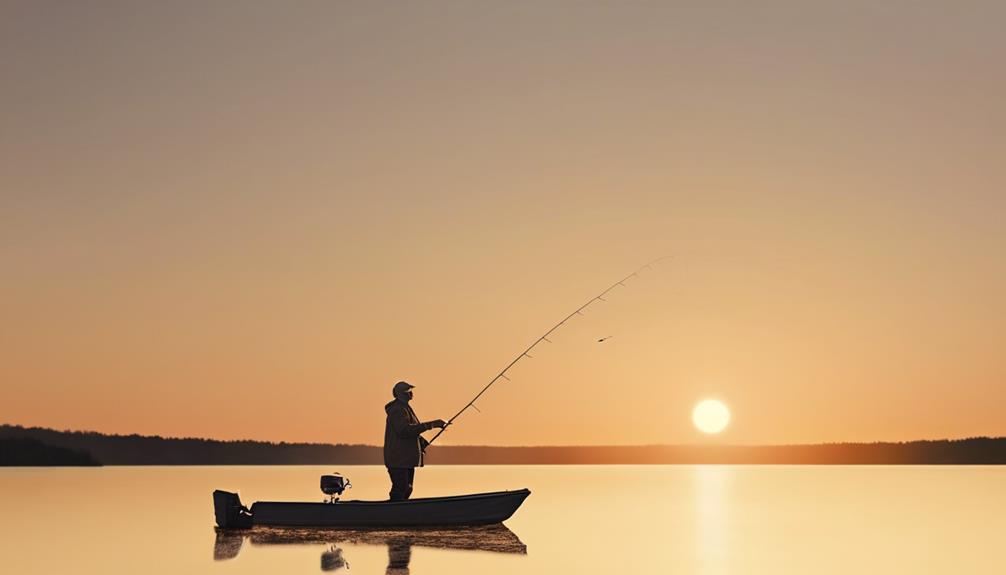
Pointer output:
x,y
710,416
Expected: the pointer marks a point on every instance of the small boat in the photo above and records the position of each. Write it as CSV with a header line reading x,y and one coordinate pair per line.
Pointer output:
x,y
457,510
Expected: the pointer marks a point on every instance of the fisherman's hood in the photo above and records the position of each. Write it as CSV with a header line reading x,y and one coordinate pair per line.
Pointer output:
x,y
393,403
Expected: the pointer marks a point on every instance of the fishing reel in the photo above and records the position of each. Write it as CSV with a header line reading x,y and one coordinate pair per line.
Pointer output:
x,y
333,485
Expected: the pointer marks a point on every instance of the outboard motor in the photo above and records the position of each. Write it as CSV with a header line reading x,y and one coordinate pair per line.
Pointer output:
x,y
229,512
333,485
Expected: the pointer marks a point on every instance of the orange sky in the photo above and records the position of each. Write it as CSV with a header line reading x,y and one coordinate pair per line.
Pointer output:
x,y
244,221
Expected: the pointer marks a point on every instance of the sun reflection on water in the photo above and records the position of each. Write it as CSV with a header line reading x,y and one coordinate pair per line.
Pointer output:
x,y
712,484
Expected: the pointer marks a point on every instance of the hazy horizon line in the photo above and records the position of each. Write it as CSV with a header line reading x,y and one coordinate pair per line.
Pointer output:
x,y
482,446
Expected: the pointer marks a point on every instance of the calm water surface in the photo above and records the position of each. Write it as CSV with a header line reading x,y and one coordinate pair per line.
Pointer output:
x,y
670,519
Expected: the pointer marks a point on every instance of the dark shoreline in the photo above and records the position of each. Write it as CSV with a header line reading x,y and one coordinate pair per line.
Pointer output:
x,y
30,452
153,450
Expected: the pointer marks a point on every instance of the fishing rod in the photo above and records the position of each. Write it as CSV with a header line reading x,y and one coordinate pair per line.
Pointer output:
x,y
544,337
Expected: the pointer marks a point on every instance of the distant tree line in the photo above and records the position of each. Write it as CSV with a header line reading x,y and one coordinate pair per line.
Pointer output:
x,y
154,450
30,452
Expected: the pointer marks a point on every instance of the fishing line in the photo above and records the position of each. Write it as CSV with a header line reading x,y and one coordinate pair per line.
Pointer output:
x,y
544,337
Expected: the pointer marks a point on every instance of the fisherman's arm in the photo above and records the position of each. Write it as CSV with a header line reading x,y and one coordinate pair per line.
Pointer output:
x,y
404,428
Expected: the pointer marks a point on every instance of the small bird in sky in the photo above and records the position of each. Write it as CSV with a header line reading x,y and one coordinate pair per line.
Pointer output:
x,y
604,338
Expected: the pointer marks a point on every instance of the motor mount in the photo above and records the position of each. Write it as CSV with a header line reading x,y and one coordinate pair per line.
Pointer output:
x,y
334,485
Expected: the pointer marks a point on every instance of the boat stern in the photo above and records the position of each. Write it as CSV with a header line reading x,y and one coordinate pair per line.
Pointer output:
x,y
229,512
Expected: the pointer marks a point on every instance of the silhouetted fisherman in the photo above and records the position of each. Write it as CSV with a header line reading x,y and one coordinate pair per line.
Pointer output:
x,y
403,444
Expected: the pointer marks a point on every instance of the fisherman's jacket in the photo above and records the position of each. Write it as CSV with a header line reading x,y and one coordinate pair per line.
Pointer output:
x,y
403,446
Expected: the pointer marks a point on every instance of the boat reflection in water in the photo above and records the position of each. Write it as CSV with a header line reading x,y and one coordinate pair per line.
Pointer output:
x,y
492,538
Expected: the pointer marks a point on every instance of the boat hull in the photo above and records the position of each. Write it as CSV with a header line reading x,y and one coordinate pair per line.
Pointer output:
x,y
476,509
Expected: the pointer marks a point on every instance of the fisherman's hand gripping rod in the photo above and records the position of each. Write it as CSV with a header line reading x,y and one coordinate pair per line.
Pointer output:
x,y
544,337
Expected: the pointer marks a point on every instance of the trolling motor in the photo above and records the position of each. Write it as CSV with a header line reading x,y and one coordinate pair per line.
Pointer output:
x,y
333,485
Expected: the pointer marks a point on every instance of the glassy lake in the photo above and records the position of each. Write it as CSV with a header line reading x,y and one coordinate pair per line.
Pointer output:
x,y
578,519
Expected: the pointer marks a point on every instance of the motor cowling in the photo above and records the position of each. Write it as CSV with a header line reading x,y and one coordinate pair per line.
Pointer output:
x,y
229,511
334,485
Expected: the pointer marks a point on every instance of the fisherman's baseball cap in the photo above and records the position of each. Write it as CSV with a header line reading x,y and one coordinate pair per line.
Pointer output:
x,y
401,387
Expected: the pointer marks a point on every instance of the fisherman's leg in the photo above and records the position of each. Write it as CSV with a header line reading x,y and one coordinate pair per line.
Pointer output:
x,y
410,478
401,483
